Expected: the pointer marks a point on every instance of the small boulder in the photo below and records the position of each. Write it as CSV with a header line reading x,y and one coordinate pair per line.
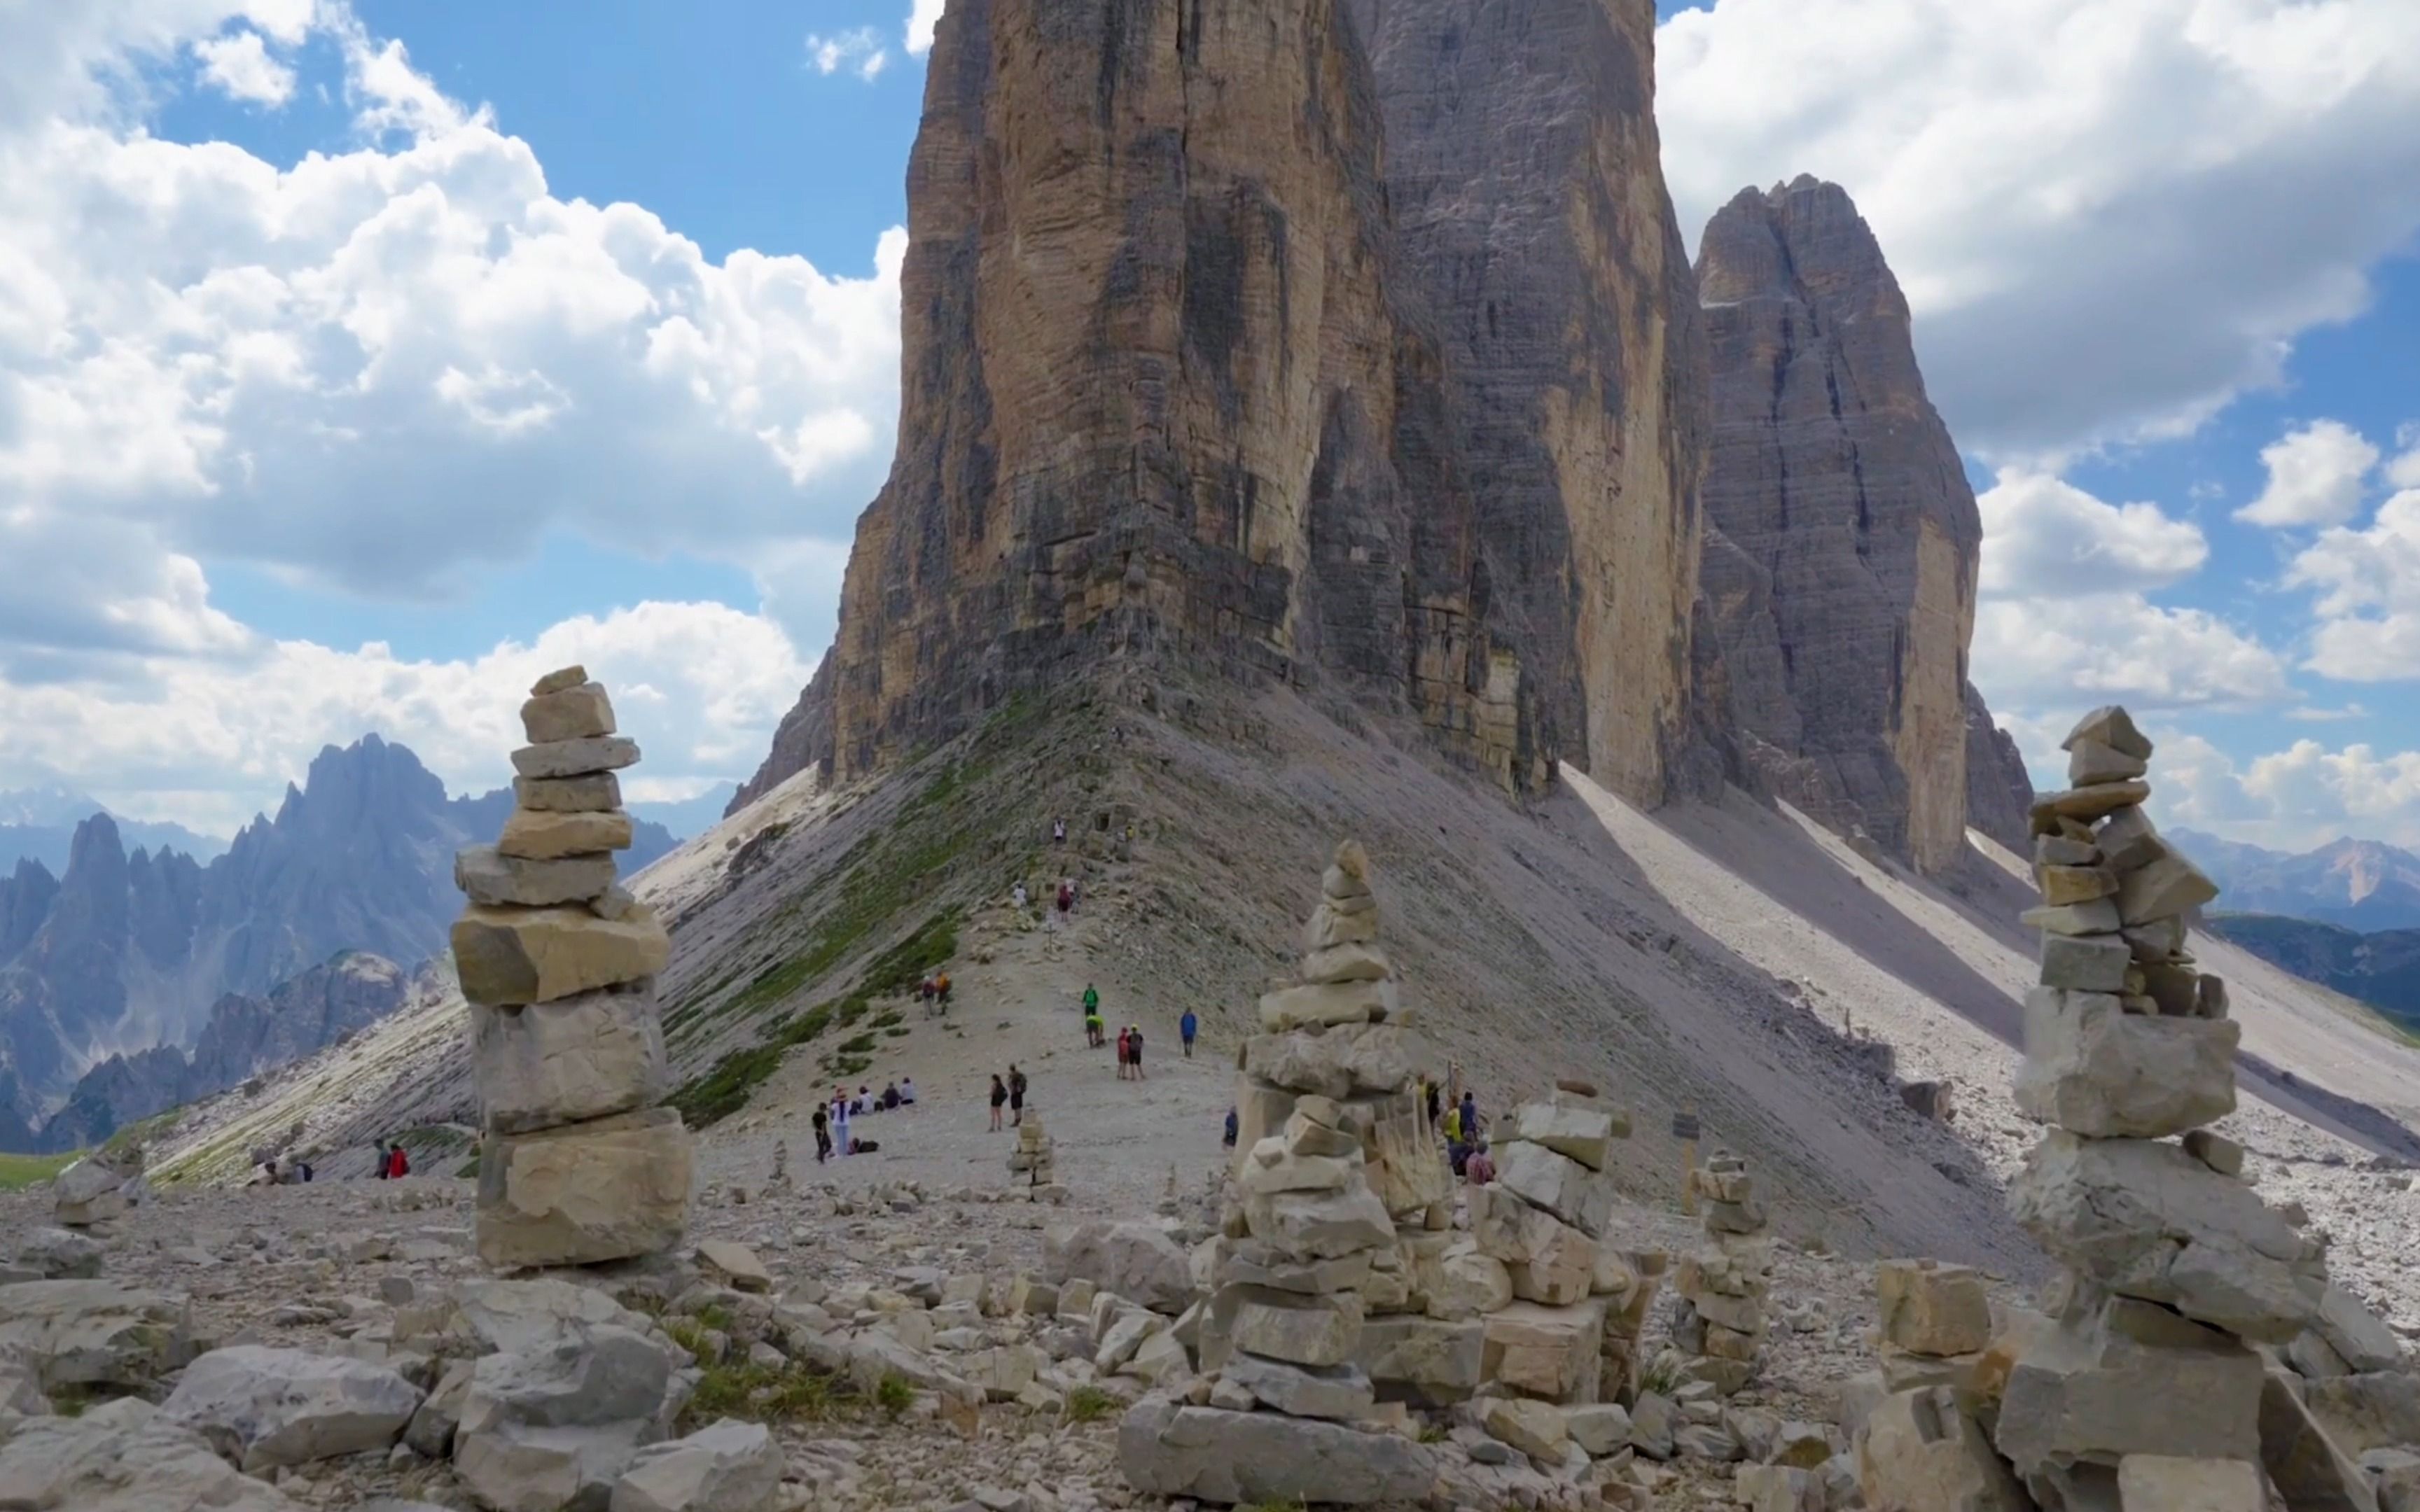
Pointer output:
x,y
262,1408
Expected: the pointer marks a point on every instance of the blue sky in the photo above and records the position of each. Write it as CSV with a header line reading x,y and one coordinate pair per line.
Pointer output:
x,y
578,338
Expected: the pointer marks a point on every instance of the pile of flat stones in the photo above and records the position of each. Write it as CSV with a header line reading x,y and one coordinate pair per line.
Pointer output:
x,y
105,1184
1032,1162
558,961
2168,1369
1335,1170
1718,1309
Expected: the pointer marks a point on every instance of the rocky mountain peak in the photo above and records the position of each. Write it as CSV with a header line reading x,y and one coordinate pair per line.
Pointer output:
x,y
1189,379
1843,576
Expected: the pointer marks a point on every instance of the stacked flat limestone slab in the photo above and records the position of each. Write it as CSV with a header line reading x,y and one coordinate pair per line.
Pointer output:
x,y
1033,1161
1720,1287
1335,1171
1570,1335
2176,1268
558,963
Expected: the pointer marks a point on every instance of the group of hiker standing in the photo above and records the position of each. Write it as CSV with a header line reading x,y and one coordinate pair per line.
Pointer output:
x,y
1008,1093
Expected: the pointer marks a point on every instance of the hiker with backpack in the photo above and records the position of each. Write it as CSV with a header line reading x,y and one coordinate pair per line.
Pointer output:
x,y
1185,1028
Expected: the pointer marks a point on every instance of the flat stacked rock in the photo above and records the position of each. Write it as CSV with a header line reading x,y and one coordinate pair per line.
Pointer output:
x,y
1335,1169
1721,1287
558,963
2176,1268
1032,1159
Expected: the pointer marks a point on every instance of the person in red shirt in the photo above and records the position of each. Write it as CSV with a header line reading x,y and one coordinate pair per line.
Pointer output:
x,y
1478,1169
398,1164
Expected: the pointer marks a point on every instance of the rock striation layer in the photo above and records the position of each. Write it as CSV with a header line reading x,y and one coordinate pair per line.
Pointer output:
x,y
1177,385
1844,576
558,965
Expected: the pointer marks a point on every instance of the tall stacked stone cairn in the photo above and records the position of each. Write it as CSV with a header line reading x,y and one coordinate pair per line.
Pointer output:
x,y
1032,1162
2146,1386
1720,1289
1335,1171
558,963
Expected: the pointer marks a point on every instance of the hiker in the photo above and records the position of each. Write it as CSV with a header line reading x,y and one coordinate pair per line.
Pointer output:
x,y
267,1175
890,1097
1016,1094
1091,1000
1478,1169
1469,1110
924,993
1229,1138
907,1091
1121,1055
822,1121
398,1163
1134,1049
941,990
840,1123
1185,1028
1067,900
1429,1093
999,1099
1092,1027
1453,1126
380,1170
1058,832
1018,894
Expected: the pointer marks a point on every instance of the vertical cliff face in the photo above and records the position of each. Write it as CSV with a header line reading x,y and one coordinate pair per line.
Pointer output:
x,y
1527,191
1845,596
1185,379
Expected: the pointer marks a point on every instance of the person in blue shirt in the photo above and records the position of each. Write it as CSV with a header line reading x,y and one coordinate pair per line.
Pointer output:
x,y
1230,1140
1185,1028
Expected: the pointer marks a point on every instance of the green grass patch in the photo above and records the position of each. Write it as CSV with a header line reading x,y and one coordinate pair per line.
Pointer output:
x,y
18,1172
725,1089
893,1394
1090,1404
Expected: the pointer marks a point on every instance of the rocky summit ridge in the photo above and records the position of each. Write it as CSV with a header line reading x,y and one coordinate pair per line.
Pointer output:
x,y
1356,347
130,958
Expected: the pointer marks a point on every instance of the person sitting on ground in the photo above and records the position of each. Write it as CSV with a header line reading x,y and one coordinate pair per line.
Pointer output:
x,y
267,1175
864,1103
890,1097
907,1091
1229,1140
1478,1169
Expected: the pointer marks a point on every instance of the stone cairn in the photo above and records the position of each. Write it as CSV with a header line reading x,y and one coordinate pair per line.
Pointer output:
x,y
105,1184
1335,1171
579,1164
1032,1159
1718,1309
2141,1387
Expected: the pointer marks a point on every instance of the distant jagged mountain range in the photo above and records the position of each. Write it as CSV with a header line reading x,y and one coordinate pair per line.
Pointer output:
x,y
123,951
2360,885
2380,968
40,825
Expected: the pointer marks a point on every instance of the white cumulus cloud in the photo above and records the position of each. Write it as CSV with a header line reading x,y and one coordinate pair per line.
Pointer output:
x,y
858,51
2031,654
239,64
2315,477
2366,584
2110,216
207,742
922,16
2297,799
202,346
2045,538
